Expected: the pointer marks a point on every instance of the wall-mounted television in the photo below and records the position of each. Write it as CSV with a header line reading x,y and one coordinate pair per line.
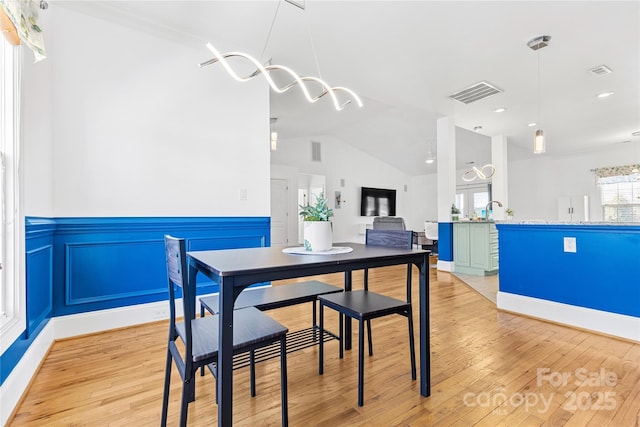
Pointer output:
x,y
377,202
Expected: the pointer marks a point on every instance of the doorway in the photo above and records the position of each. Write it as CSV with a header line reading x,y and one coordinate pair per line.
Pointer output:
x,y
472,199
279,212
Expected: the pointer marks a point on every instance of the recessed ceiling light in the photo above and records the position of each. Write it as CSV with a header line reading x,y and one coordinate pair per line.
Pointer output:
x,y
604,94
532,124
429,161
500,110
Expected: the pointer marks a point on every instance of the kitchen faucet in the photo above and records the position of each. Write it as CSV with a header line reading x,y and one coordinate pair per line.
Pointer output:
x,y
486,209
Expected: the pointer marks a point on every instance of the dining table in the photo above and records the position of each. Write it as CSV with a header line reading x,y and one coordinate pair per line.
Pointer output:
x,y
236,269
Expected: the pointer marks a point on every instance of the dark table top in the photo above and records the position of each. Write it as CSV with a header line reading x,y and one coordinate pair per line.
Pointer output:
x,y
265,260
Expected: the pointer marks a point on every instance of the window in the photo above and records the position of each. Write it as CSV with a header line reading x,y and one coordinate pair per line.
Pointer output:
x,y
12,307
472,199
619,193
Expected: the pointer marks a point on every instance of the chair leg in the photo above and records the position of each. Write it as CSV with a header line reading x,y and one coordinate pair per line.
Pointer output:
x,y
341,337
202,315
412,345
165,396
321,343
369,337
360,363
184,405
252,372
313,313
283,381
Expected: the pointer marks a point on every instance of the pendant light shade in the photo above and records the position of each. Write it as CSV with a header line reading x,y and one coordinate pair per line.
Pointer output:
x,y
274,134
536,44
538,142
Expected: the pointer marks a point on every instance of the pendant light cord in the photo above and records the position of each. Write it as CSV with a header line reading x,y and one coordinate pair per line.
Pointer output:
x,y
273,22
539,124
313,47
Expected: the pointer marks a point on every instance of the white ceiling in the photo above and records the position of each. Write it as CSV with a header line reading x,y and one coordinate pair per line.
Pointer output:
x,y
405,58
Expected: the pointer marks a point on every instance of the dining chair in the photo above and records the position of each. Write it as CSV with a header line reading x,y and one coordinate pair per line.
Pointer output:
x,y
252,329
431,233
364,305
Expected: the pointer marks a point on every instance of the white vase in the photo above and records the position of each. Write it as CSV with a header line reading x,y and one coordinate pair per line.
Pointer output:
x,y
318,236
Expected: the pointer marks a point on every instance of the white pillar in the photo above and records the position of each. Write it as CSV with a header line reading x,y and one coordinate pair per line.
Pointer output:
x,y
499,187
446,185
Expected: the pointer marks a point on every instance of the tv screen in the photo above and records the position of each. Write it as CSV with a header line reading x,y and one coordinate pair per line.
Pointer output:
x,y
377,202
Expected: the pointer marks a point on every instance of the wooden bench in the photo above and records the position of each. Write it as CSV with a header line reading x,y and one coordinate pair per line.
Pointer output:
x,y
272,297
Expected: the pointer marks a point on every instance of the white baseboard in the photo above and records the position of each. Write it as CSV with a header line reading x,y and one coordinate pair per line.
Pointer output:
x,y
17,382
445,266
605,322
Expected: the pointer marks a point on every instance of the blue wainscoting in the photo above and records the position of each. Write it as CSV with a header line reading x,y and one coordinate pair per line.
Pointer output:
x,y
39,271
113,262
445,241
76,265
603,274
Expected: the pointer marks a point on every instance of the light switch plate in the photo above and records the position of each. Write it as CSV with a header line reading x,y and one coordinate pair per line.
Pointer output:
x,y
570,244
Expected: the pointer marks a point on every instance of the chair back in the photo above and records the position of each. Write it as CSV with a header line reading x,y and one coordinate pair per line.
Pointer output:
x,y
178,278
388,223
431,230
390,239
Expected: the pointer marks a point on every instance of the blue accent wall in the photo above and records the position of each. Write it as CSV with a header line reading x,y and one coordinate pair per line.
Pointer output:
x,y
445,241
76,265
603,274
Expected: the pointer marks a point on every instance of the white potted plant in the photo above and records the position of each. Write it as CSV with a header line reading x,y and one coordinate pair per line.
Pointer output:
x,y
317,227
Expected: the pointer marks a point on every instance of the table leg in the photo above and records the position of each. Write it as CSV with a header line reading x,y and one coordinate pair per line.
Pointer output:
x,y
425,346
225,353
347,323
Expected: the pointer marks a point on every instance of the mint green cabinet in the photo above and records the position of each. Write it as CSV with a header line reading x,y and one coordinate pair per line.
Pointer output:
x,y
475,248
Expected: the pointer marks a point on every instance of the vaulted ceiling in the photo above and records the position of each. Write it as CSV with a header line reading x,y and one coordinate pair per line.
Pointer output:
x,y
405,58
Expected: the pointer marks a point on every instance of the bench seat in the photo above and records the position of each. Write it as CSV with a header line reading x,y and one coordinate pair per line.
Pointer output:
x,y
271,297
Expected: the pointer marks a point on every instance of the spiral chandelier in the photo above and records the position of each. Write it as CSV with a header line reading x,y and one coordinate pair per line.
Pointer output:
x,y
300,81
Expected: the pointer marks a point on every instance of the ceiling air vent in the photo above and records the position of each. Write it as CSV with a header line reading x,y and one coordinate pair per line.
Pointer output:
x,y
475,92
601,70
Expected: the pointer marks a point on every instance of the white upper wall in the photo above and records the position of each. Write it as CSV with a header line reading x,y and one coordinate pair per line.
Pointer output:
x,y
343,161
535,186
138,129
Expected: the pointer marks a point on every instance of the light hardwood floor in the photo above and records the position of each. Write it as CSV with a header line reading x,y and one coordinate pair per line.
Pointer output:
x,y
488,368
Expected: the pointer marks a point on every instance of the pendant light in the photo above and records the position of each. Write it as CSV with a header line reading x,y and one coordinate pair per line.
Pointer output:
x,y
537,44
431,156
274,134
307,84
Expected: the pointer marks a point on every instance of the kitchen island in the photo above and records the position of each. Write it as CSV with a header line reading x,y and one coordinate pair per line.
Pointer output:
x,y
475,247
583,274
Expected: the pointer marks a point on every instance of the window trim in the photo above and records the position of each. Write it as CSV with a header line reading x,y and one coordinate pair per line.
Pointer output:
x,y
633,179
13,309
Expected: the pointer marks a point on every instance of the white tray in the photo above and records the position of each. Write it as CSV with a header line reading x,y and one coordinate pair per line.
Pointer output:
x,y
300,250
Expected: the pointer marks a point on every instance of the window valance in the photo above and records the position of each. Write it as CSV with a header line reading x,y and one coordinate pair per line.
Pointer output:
x,y
617,173
23,14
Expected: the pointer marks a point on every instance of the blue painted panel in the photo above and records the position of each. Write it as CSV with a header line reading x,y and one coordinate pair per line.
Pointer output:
x,y
604,273
103,271
102,263
39,276
38,268
445,241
